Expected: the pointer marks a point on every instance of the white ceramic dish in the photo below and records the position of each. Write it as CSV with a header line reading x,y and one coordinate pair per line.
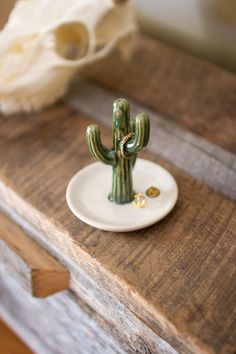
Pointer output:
x,y
87,197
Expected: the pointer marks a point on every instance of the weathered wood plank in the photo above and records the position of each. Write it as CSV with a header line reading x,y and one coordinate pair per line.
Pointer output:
x,y
200,158
10,343
57,324
130,329
37,271
168,275
195,93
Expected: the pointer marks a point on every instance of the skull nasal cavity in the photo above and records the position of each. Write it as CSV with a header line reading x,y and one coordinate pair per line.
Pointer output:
x,y
71,41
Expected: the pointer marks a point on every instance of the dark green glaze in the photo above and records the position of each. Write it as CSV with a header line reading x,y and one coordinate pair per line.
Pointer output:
x,y
122,184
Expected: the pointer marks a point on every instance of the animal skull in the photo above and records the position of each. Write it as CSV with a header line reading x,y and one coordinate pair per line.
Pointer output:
x,y
46,42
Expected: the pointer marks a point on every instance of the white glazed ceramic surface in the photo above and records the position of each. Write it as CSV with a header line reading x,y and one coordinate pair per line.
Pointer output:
x,y
88,190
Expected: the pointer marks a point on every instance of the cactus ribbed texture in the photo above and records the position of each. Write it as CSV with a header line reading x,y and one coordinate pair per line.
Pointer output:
x,y
122,162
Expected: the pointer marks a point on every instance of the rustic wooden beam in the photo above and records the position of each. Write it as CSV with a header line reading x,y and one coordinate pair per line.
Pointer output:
x,y
111,314
32,266
61,323
159,282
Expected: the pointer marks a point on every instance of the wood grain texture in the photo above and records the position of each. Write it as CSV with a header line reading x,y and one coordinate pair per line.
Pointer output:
x,y
32,266
131,330
197,156
10,343
196,94
58,324
171,276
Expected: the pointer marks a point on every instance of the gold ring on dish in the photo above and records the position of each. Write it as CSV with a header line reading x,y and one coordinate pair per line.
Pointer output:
x,y
122,145
153,192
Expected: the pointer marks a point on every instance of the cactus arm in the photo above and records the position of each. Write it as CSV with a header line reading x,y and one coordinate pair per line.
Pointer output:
x,y
97,149
132,125
141,135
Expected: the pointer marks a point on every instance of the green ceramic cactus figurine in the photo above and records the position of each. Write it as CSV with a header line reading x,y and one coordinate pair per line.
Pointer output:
x,y
129,137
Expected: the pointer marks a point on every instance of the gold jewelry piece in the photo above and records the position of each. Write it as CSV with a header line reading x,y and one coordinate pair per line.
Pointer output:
x,y
139,200
153,192
122,145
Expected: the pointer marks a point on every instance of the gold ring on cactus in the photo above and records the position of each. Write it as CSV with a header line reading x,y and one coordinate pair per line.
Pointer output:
x,y
123,142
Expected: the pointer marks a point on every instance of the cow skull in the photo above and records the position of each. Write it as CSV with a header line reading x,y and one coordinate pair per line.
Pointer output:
x,y
46,42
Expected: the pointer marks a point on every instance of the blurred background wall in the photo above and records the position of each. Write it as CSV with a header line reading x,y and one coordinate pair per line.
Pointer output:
x,y
206,28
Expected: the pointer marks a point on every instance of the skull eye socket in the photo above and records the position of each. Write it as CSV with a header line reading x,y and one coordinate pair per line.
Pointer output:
x,y
71,41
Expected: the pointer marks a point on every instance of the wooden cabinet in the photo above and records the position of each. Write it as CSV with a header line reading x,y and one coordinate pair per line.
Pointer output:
x,y
166,289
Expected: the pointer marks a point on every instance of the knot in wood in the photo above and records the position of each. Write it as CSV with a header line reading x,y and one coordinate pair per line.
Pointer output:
x,y
140,346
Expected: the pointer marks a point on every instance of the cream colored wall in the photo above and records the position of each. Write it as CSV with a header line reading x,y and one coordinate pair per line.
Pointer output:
x,y
203,27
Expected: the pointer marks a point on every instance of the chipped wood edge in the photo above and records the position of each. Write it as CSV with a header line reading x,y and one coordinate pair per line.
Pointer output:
x,y
99,295
36,270
57,324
